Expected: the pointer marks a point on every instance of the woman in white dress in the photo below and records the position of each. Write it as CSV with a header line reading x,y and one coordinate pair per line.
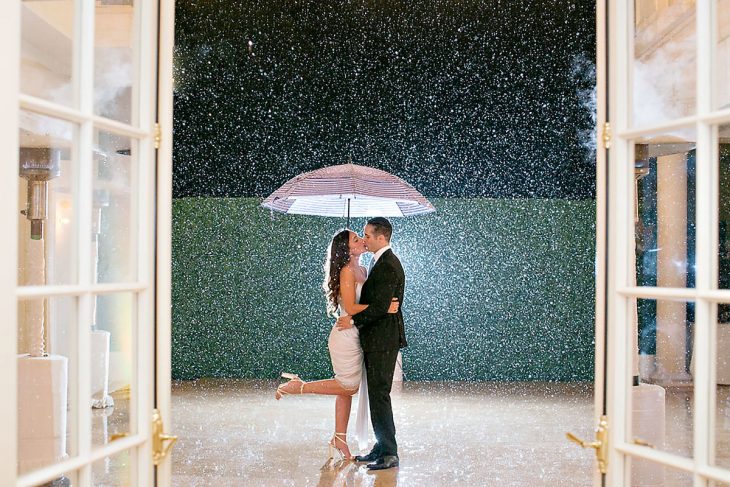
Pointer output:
x,y
344,277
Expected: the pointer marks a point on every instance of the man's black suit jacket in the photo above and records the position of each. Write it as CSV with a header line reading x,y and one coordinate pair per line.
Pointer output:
x,y
379,330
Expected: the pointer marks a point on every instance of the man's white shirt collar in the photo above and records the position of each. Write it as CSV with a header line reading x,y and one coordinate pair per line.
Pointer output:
x,y
378,254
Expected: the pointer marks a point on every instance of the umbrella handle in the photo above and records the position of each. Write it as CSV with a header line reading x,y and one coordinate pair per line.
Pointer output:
x,y
348,213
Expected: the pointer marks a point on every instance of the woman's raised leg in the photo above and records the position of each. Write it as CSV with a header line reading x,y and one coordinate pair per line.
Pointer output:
x,y
329,387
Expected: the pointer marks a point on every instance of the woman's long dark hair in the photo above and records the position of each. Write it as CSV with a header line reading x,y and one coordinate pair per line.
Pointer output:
x,y
338,255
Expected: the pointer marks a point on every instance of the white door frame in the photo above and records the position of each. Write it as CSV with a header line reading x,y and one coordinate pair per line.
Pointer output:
x,y
601,228
165,86
621,289
9,88
153,188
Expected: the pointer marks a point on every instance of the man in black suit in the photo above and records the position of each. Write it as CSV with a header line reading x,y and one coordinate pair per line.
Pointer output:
x,y
381,336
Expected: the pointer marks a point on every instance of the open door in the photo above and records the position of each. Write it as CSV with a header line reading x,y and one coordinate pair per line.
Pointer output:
x,y
85,199
663,180
599,444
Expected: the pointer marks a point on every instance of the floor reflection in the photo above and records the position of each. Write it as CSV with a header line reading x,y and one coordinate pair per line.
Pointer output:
x,y
106,424
352,474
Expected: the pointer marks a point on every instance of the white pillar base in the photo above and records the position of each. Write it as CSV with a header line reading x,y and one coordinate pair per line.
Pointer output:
x,y
42,410
648,416
102,402
671,379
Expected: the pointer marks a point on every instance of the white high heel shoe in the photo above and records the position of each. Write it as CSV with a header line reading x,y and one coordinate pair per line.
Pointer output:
x,y
333,446
292,377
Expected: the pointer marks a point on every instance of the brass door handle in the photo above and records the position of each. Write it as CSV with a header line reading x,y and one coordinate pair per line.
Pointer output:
x,y
161,442
160,455
582,443
600,445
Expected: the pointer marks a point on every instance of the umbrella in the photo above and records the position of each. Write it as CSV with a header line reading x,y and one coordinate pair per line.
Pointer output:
x,y
348,190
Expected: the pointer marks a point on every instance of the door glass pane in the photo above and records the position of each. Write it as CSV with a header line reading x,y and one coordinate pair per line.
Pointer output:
x,y
648,473
114,229
46,200
664,61
113,471
662,403
46,65
722,59
678,478
722,379
112,365
114,60
664,209
724,207
46,366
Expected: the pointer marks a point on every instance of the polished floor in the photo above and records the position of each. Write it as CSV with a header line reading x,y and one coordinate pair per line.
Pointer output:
x,y
233,433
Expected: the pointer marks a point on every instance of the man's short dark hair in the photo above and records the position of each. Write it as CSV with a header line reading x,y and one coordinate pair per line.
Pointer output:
x,y
381,226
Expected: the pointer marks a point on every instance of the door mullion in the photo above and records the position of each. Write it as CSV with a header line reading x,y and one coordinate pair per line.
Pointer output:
x,y
51,109
29,292
84,71
701,358
704,221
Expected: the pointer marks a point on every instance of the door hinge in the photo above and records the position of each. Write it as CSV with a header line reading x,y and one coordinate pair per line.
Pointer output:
x,y
606,135
158,135
159,448
600,445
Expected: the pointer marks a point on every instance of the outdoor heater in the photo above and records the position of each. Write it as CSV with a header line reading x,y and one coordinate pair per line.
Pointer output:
x,y
38,165
42,399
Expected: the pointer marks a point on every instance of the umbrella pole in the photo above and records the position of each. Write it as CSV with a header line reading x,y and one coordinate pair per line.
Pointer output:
x,y
348,213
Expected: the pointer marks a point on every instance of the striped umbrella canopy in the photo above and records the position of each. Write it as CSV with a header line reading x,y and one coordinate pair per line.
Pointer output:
x,y
348,190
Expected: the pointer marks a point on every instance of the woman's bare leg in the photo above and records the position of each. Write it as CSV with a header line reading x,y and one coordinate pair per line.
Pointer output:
x,y
329,387
343,405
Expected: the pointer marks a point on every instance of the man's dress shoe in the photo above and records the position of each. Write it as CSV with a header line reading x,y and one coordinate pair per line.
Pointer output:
x,y
388,461
370,457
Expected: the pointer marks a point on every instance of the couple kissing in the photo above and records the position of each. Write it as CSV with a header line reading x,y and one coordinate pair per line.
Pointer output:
x,y
364,341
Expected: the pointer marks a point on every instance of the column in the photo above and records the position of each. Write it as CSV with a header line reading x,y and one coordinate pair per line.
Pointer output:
x,y
671,267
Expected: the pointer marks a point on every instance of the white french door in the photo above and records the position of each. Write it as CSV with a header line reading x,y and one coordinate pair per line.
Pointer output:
x,y
663,176
86,222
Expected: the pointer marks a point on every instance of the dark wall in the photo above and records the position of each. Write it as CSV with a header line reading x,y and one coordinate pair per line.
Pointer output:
x,y
496,290
467,98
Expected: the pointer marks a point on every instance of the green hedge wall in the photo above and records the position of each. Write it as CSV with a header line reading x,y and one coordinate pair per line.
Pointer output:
x,y
495,290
